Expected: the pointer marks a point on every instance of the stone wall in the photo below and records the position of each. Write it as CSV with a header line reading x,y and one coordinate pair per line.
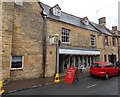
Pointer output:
x,y
22,35
7,31
27,40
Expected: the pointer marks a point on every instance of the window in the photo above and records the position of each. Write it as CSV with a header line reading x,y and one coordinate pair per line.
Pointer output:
x,y
114,41
97,65
17,62
106,40
65,35
93,40
56,12
105,58
19,2
109,65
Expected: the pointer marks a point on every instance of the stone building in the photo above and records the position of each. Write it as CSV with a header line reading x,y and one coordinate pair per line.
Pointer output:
x,y
21,40
38,40
81,41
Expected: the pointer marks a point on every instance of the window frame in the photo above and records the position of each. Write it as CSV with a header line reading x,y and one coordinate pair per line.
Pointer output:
x,y
66,31
11,62
17,2
94,40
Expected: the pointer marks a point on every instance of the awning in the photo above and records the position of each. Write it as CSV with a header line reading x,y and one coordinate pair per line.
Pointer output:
x,y
79,52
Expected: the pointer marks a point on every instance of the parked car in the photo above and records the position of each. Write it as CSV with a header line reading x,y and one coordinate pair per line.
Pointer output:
x,y
103,69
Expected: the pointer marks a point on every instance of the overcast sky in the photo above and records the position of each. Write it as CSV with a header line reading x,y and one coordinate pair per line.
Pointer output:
x,y
93,9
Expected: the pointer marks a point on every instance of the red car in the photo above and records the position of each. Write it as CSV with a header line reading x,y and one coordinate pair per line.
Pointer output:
x,y
103,69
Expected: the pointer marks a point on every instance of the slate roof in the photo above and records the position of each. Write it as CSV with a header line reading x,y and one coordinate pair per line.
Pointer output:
x,y
103,30
74,20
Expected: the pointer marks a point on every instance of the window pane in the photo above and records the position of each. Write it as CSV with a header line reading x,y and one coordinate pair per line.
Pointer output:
x,y
93,40
16,62
97,65
65,35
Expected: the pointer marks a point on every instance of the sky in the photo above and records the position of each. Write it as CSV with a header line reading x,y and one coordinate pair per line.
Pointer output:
x,y
93,9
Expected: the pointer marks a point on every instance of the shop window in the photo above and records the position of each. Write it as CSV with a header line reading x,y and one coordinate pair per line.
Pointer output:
x,y
105,58
93,40
17,62
65,35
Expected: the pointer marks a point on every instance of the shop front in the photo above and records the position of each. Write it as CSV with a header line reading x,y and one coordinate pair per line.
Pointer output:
x,y
77,57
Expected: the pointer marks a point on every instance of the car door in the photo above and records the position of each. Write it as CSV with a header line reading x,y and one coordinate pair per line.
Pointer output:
x,y
96,67
108,69
111,69
114,69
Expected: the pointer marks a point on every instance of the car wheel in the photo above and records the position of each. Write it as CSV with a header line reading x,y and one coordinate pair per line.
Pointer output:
x,y
106,76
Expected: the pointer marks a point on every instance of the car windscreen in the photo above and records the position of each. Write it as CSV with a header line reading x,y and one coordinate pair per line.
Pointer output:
x,y
97,65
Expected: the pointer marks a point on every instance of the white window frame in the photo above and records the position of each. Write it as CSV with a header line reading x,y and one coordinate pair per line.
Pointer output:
x,y
19,2
66,31
94,40
11,62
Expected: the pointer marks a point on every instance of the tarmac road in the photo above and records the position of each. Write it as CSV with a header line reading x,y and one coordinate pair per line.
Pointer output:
x,y
85,86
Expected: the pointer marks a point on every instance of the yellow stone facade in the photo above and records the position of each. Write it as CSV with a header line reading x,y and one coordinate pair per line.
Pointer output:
x,y
79,38
26,32
22,36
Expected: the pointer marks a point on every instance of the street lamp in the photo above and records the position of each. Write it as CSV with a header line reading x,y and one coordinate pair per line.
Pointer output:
x,y
57,60
57,54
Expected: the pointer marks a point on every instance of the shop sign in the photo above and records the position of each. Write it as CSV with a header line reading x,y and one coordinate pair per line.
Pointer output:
x,y
70,75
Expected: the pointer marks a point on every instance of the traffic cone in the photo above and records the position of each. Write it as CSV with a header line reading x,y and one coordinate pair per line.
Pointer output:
x,y
1,88
57,80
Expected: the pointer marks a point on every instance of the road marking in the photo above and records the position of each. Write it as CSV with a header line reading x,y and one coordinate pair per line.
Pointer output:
x,y
91,86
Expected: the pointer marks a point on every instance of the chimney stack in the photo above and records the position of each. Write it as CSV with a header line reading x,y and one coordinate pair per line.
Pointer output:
x,y
102,21
114,28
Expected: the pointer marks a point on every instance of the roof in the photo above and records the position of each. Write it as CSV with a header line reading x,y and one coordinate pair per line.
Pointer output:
x,y
103,30
74,20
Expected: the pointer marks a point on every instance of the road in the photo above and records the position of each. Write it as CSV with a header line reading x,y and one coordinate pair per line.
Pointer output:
x,y
85,86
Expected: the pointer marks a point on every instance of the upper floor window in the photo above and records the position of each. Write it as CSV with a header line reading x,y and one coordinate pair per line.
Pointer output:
x,y
19,2
65,35
56,10
114,41
93,40
106,40
17,62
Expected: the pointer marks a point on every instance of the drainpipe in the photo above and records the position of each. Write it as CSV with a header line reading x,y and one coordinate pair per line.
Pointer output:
x,y
118,48
44,42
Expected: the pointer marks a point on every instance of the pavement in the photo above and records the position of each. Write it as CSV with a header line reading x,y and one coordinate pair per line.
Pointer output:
x,y
37,82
